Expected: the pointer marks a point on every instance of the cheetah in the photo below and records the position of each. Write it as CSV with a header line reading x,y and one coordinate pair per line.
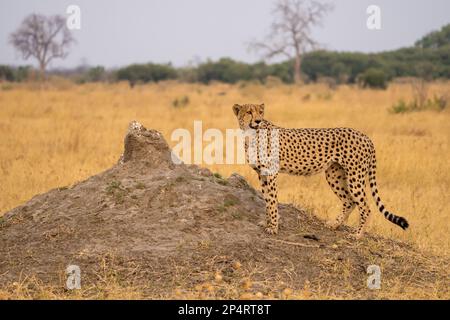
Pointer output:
x,y
346,155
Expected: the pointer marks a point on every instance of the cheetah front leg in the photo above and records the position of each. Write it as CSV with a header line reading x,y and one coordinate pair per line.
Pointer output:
x,y
270,191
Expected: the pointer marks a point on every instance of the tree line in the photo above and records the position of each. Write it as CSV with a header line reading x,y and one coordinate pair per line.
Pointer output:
x,y
429,59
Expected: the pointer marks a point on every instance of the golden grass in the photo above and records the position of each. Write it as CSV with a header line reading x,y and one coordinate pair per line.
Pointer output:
x,y
59,135
241,285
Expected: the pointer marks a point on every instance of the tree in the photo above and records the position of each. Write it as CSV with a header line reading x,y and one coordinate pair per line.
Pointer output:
x,y
290,33
435,39
44,38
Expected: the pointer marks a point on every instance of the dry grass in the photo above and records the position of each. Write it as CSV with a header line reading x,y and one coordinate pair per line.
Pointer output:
x,y
59,135
241,283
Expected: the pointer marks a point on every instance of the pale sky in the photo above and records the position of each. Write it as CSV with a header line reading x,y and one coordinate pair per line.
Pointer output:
x,y
119,32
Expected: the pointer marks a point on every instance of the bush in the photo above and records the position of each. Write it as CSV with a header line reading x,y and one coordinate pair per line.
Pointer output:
x,y
373,78
95,74
149,72
225,70
22,73
6,73
438,103
231,71
14,74
401,107
341,66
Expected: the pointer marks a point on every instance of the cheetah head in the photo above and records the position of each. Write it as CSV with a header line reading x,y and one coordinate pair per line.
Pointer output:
x,y
249,115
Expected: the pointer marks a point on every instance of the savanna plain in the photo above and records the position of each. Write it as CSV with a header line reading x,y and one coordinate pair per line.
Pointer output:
x,y
60,133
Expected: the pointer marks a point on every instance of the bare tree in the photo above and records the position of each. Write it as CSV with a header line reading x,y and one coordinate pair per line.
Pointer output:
x,y
290,33
44,38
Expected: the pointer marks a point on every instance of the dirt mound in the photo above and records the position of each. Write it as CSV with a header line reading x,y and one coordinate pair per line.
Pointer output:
x,y
165,227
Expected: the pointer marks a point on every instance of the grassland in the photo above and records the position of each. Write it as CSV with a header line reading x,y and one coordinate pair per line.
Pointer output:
x,y
60,134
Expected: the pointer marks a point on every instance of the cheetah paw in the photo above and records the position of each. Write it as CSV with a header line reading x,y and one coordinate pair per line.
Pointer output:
x,y
333,225
271,230
355,236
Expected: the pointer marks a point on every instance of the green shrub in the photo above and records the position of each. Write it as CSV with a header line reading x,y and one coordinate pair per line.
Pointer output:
x,y
400,107
373,78
438,103
95,74
217,175
6,73
16,74
149,72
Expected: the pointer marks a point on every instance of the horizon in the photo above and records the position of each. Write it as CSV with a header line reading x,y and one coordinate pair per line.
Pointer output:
x,y
211,30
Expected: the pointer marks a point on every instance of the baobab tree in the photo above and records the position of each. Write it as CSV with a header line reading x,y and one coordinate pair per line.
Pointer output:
x,y
44,38
290,32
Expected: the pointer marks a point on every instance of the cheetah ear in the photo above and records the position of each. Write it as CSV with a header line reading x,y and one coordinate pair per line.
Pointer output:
x,y
236,109
261,108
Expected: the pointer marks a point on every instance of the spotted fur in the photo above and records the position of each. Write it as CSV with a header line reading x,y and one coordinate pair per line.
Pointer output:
x,y
346,155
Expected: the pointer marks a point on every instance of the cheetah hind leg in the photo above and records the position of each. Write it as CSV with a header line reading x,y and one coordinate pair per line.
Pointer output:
x,y
337,179
342,217
359,196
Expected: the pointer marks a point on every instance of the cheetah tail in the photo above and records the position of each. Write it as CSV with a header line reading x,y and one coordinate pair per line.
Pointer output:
x,y
400,221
